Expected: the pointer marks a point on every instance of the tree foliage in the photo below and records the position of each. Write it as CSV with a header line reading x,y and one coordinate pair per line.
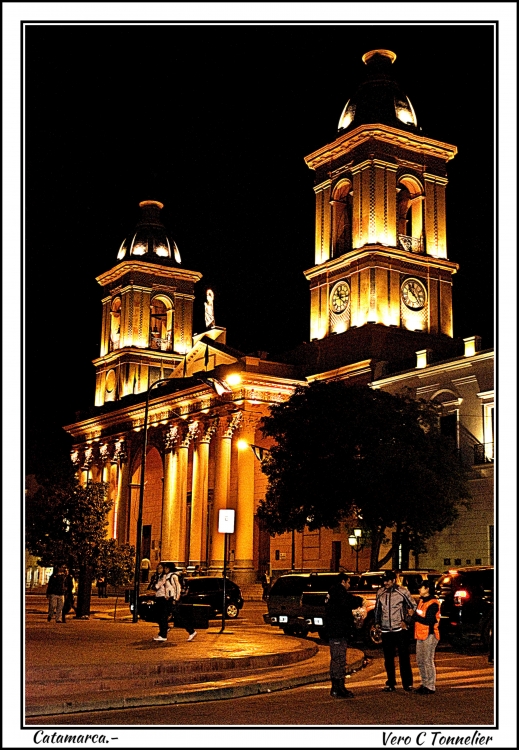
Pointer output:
x,y
344,451
116,562
65,523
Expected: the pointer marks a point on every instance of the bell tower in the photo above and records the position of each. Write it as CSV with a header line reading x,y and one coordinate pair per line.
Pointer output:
x,y
380,230
147,322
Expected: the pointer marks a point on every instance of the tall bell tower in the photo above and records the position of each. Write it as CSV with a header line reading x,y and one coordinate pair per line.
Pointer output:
x,y
380,234
147,323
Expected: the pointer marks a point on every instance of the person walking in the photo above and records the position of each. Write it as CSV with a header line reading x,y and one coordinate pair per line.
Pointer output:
x,y
167,591
56,594
68,603
339,606
426,618
391,612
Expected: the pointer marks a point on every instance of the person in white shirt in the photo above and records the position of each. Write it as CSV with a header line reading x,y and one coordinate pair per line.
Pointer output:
x,y
167,591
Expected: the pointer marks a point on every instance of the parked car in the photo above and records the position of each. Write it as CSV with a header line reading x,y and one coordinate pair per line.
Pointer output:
x,y
466,597
296,601
200,590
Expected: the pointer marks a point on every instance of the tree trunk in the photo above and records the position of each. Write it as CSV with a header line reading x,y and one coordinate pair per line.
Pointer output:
x,y
84,591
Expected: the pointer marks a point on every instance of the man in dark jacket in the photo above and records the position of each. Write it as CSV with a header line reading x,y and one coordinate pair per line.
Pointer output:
x,y
339,626
56,594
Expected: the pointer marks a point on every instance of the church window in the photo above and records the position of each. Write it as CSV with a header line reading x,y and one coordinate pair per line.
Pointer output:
x,y
342,209
410,214
161,324
115,324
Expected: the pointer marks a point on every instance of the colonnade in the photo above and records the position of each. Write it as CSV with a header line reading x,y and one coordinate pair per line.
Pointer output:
x,y
184,536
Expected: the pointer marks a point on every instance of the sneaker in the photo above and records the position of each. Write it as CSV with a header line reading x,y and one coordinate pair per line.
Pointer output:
x,y
409,689
192,635
389,689
422,690
160,638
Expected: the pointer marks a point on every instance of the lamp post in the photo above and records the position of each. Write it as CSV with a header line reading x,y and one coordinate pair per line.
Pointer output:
x,y
356,544
215,386
138,544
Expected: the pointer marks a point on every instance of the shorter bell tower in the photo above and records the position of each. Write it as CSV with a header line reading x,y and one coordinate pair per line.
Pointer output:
x,y
147,322
380,237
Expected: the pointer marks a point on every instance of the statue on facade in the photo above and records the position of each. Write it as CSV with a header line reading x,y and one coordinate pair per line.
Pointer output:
x,y
209,309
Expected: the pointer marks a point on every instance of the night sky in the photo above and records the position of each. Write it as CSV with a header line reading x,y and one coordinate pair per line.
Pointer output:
x,y
215,122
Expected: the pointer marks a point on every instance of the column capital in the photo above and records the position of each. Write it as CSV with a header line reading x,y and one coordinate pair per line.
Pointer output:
x,y
232,424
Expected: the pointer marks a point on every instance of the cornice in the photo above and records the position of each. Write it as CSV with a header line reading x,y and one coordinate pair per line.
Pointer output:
x,y
385,134
146,356
151,269
341,373
432,371
191,403
394,253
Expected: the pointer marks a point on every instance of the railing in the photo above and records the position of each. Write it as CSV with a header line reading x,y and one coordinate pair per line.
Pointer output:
x,y
411,244
483,453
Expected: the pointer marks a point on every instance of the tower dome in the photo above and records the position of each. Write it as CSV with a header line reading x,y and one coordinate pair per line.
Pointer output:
x,y
379,99
150,240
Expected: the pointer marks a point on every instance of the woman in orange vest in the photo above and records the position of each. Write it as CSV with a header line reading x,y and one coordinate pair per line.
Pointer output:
x,y
427,633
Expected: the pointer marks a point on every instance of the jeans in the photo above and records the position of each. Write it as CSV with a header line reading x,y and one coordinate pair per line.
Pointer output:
x,y
56,606
163,606
392,642
425,660
338,658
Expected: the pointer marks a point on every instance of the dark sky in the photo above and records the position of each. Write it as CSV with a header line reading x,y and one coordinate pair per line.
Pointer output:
x,y
215,122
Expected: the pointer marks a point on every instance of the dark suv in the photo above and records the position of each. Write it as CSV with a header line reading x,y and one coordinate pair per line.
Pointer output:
x,y
296,603
467,605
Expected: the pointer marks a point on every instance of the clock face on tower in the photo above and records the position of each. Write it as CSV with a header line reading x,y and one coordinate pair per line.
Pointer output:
x,y
339,297
414,294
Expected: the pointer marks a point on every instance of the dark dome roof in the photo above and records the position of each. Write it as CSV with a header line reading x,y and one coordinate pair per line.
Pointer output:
x,y
149,240
379,99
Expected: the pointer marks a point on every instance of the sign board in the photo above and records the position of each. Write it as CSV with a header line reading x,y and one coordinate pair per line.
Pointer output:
x,y
226,521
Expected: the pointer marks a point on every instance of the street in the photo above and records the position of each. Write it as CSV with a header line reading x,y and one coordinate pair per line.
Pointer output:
x,y
465,695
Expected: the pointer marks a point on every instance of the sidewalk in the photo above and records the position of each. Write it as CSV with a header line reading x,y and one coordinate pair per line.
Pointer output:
x,y
102,663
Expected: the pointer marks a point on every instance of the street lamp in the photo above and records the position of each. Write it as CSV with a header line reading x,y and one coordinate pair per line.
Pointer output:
x,y
138,545
356,544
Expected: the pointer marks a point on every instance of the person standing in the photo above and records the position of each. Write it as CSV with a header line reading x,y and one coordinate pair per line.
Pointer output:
x,y
391,612
68,603
339,626
426,620
56,594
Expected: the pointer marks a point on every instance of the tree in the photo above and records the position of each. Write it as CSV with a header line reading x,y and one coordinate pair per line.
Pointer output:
x,y
65,524
116,563
344,451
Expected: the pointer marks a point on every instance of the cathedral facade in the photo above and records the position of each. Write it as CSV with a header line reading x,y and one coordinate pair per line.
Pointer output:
x,y
176,432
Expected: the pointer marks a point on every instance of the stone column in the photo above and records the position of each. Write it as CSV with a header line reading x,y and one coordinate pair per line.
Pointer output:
x,y
168,508
244,531
199,493
222,489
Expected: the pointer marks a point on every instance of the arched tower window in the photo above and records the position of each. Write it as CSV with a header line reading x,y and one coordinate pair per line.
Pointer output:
x,y
115,324
410,214
161,324
342,210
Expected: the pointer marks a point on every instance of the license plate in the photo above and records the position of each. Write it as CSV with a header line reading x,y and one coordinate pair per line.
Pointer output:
x,y
283,618
318,620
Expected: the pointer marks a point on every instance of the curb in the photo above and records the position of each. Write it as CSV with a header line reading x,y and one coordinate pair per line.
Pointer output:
x,y
241,688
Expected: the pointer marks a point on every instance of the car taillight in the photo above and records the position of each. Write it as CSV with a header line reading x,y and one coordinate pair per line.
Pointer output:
x,y
460,597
